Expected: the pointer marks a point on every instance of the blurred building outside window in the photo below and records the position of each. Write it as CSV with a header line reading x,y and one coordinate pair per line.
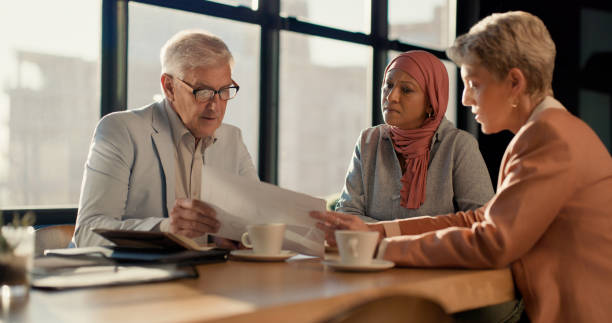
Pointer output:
x,y
325,101
49,99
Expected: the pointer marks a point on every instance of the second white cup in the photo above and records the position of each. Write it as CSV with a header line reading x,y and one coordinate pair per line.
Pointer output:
x,y
265,239
356,247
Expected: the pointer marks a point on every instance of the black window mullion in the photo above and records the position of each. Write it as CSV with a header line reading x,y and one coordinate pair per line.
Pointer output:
x,y
379,32
269,91
113,96
302,27
403,47
468,13
209,8
44,216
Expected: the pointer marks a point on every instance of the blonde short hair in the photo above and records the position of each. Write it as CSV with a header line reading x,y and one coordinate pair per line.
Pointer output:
x,y
191,49
503,41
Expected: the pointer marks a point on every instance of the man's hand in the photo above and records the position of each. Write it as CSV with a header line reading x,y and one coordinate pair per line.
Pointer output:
x,y
193,218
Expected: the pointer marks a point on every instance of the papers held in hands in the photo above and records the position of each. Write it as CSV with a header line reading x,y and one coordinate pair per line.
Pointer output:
x,y
240,201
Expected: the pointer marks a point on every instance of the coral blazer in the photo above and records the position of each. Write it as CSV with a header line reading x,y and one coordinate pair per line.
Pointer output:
x,y
551,221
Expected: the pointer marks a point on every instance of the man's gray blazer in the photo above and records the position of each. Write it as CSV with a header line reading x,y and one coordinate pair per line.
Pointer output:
x,y
129,176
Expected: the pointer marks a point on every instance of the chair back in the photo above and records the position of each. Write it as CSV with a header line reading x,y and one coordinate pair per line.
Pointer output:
x,y
393,309
52,237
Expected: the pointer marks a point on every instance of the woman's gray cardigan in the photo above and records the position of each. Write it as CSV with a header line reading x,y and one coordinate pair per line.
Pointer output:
x,y
457,177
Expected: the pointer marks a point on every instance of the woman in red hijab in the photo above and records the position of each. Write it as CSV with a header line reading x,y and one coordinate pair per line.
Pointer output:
x,y
417,163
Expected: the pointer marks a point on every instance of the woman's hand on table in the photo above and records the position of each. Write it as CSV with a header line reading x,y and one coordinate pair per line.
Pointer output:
x,y
329,222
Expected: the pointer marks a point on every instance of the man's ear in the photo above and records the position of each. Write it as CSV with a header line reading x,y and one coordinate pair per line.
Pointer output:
x,y
167,86
517,80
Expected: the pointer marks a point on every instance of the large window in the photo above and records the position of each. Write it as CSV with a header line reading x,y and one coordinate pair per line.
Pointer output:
x,y
49,99
352,15
426,23
325,101
150,27
301,122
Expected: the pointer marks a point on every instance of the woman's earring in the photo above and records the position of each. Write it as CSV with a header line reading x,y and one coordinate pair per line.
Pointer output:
x,y
430,115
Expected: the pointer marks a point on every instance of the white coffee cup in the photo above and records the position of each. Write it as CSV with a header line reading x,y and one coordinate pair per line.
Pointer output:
x,y
356,247
265,239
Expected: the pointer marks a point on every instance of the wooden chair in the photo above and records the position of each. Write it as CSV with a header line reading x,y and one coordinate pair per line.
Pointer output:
x,y
393,309
52,237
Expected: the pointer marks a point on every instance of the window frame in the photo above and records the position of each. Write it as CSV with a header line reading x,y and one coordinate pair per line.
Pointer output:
x,y
114,60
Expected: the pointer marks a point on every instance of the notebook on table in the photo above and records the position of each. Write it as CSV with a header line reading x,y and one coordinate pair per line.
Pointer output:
x,y
137,257
109,275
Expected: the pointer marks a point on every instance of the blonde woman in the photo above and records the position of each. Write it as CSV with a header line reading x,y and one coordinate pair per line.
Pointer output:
x,y
551,218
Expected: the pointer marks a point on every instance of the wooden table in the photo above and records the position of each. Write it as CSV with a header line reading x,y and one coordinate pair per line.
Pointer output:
x,y
302,289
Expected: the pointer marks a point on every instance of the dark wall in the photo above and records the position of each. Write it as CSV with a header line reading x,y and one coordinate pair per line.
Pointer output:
x,y
562,19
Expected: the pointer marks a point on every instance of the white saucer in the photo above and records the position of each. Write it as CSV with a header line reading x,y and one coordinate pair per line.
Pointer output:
x,y
248,254
375,265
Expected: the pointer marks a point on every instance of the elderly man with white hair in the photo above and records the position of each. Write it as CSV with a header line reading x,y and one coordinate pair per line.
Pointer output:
x,y
144,166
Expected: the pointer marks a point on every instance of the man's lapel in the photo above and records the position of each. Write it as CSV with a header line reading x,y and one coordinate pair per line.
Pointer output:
x,y
162,140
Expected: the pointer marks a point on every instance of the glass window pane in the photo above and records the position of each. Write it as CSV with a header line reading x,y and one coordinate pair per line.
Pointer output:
x,y
451,110
49,99
451,68
352,15
151,27
426,23
325,101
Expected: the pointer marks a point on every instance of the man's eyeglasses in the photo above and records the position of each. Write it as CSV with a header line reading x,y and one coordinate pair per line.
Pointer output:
x,y
203,95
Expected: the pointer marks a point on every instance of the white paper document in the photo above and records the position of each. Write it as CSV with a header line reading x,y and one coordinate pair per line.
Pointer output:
x,y
240,201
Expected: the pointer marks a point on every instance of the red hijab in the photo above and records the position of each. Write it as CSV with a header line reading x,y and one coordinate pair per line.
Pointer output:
x,y
414,144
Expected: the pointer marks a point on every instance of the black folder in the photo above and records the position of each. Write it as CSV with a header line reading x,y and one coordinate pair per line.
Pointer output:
x,y
143,248
158,247
129,255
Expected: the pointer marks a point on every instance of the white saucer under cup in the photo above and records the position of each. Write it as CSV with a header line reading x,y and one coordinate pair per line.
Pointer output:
x,y
265,239
248,254
374,265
